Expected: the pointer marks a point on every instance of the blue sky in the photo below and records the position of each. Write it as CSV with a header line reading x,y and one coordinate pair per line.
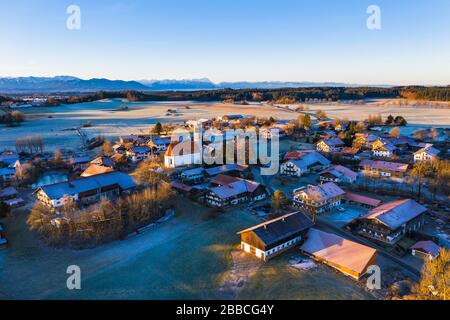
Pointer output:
x,y
253,40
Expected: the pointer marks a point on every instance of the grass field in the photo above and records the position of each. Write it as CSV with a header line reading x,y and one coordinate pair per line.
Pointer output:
x,y
184,258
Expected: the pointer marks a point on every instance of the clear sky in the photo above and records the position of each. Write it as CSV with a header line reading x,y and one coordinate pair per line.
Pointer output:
x,y
233,40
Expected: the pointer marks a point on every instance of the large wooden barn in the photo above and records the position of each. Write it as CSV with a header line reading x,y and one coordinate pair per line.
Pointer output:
x,y
269,239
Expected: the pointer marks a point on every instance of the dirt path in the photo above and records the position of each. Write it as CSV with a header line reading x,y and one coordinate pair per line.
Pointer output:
x,y
244,267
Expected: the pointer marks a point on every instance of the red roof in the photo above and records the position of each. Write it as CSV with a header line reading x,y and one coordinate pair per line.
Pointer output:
x,y
363,199
181,186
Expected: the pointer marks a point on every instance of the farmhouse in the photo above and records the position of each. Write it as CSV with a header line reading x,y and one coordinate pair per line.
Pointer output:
x,y
233,191
10,196
86,190
383,169
273,237
351,258
184,153
391,221
426,154
303,162
338,174
330,145
364,140
317,199
104,161
7,174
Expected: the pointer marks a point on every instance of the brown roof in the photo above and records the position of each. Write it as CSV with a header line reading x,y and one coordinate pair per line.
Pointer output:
x,y
94,169
338,251
224,180
384,165
363,199
182,148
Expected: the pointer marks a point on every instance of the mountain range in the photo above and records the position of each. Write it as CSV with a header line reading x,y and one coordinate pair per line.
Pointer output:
x,y
74,84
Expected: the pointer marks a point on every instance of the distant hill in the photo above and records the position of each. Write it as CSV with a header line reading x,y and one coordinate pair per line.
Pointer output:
x,y
72,84
65,84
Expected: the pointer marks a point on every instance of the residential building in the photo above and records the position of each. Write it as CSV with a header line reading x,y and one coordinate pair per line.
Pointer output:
x,y
427,250
86,190
193,176
391,221
233,191
138,153
338,174
79,163
361,200
303,162
364,140
319,198
383,149
104,161
271,238
183,153
426,154
7,174
383,169
351,258
10,196
330,145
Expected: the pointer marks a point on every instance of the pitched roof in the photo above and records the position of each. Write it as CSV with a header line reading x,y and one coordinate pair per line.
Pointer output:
x,y
309,158
80,160
7,171
384,165
182,148
58,190
324,191
223,179
194,171
339,251
333,142
232,186
103,161
430,150
396,213
226,168
427,246
339,171
95,169
180,186
8,192
278,229
363,199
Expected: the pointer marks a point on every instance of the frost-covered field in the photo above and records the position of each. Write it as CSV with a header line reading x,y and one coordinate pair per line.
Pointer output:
x,y
56,124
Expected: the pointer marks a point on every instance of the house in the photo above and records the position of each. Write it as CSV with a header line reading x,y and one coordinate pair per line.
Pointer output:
x,y
391,221
425,249
383,169
160,143
426,154
231,169
383,149
7,158
138,153
79,163
193,176
267,133
183,153
104,161
361,200
338,174
330,145
7,174
132,139
364,140
302,162
86,190
10,196
271,238
350,153
95,169
233,191
181,187
118,159
318,199
350,258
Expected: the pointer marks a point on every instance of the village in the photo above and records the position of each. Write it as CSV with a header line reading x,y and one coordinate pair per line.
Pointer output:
x,y
347,194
